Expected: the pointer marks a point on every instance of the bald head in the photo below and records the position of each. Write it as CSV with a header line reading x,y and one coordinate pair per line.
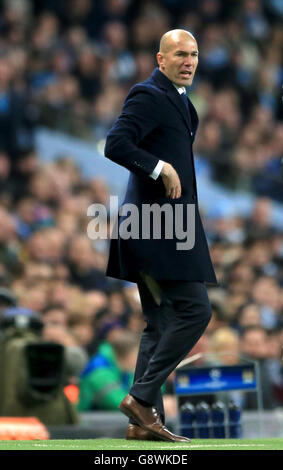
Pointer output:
x,y
173,37
178,56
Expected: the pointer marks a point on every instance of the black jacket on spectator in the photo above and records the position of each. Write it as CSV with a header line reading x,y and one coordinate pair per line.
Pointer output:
x,y
154,125
16,123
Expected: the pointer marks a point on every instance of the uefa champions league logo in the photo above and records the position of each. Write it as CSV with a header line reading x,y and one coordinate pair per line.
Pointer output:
x,y
215,374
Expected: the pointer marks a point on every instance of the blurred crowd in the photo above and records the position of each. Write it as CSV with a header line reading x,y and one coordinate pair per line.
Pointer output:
x,y
68,65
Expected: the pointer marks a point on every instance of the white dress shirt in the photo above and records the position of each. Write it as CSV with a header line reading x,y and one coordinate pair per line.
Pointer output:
x,y
157,170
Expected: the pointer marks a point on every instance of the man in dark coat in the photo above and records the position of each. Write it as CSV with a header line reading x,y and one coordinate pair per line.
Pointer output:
x,y
170,261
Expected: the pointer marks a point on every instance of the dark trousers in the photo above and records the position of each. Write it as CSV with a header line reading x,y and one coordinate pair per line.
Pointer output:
x,y
172,329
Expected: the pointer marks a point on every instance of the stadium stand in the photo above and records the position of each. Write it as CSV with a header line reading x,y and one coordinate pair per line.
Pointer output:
x,y
65,68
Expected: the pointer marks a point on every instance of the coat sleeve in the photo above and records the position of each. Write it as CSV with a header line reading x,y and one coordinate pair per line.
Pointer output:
x,y
139,118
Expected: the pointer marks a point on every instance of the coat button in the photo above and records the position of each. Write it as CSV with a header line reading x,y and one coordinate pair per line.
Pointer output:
x,y
194,196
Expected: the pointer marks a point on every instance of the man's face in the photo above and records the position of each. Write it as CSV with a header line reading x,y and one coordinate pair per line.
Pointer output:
x,y
180,61
254,344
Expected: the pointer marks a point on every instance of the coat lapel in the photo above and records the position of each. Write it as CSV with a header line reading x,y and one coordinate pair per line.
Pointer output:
x,y
194,117
176,100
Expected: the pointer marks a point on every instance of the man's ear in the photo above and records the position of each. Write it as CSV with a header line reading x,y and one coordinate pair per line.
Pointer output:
x,y
159,58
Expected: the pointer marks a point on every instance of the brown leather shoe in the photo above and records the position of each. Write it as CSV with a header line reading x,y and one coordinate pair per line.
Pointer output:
x,y
148,419
136,433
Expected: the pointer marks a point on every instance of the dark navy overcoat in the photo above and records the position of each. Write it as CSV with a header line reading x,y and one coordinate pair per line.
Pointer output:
x,y
155,124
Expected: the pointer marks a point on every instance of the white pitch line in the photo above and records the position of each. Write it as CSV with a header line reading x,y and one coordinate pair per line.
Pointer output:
x,y
228,445
125,446
188,447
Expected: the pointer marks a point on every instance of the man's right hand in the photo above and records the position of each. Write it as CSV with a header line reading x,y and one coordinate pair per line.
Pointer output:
x,y
171,181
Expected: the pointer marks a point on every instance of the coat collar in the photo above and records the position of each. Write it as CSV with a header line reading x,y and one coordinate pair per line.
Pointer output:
x,y
172,93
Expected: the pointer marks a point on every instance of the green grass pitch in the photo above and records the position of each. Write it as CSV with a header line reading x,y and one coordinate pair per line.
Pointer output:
x,y
123,444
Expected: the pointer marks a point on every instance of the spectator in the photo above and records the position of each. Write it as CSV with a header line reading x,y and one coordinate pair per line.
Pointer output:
x,y
219,318
259,222
108,376
224,346
56,330
7,299
16,127
54,315
266,292
82,263
254,346
248,315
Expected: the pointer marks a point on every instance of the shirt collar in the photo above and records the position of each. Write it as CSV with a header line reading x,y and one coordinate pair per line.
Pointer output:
x,y
180,89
